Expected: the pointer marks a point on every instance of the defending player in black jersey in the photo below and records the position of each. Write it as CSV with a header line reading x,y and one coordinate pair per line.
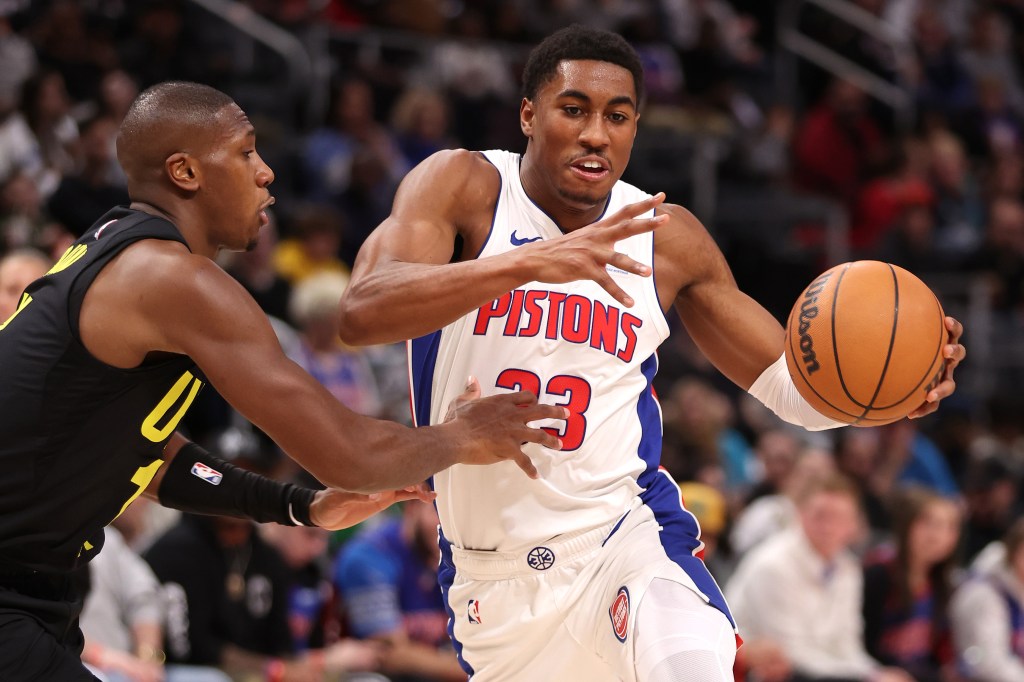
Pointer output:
x,y
105,353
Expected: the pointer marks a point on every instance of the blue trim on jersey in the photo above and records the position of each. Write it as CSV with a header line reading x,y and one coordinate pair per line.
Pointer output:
x,y
649,415
679,537
654,281
680,533
446,578
422,359
497,202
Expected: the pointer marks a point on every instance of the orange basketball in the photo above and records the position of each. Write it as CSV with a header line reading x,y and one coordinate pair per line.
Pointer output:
x,y
864,343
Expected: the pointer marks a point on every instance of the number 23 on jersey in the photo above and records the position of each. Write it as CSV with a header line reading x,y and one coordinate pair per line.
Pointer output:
x,y
574,391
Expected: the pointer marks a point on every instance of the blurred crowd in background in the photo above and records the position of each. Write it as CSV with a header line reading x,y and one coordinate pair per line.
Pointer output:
x,y
801,132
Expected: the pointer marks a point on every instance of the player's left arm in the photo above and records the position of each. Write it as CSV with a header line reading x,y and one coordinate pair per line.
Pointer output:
x,y
738,336
244,494
742,339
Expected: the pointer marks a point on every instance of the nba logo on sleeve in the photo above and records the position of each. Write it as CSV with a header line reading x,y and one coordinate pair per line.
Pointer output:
x,y
473,611
619,613
209,475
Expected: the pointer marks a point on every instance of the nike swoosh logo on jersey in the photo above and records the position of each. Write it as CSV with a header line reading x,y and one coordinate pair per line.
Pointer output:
x,y
519,241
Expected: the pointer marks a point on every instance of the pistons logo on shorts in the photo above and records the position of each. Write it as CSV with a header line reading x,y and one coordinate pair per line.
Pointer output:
x,y
619,613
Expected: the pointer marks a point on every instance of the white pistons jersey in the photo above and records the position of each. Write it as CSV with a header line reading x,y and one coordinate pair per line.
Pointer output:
x,y
571,344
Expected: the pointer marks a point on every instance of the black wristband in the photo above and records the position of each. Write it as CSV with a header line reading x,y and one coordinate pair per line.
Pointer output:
x,y
198,482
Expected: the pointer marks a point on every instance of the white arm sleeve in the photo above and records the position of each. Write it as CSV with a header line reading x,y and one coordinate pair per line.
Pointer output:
x,y
776,391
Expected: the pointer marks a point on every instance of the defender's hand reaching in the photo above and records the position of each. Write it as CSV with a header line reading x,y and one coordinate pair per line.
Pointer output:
x,y
585,253
493,429
335,509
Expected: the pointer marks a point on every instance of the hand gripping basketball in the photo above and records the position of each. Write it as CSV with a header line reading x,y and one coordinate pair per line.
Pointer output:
x,y
494,429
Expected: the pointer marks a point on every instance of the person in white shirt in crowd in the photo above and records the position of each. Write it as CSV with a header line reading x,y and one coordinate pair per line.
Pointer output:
x,y
801,590
987,613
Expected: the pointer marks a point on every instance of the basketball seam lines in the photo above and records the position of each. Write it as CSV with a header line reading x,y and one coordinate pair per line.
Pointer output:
x,y
892,341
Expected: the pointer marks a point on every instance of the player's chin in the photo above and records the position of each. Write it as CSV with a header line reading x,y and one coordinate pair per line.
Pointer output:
x,y
584,196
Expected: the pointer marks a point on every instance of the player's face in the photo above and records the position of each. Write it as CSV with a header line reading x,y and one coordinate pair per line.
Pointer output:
x,y
236,181
581,127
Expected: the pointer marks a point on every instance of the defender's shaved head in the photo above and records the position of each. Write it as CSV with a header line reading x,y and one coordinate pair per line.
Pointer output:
x,y
170,117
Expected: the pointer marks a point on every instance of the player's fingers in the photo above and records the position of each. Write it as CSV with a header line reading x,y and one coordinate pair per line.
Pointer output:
x,y
520,398
624,262
925,409
954,354
943,390
533,413
954,328
637,226
526,465
609,285
637,208
414,494
542,437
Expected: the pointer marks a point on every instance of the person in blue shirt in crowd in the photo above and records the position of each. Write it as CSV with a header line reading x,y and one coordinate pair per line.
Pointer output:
x,y
386,577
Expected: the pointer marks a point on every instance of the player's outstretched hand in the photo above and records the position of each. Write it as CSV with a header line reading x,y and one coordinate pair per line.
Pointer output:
x,y
954,352
335,509
585,253
494,429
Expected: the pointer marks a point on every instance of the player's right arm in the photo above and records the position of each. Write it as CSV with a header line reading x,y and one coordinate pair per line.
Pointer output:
x,y
158,297
403,284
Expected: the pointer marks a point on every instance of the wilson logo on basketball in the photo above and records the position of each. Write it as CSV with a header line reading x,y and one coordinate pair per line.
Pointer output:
x,y
809,311
619,613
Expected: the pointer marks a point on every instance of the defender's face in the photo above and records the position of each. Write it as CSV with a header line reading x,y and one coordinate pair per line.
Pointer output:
x,y
581,127
236,182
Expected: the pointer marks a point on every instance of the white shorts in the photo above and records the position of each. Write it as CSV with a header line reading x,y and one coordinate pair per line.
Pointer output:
x,y
568,610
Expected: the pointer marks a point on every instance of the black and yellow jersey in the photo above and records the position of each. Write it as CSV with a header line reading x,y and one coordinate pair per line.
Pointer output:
x,y
79,439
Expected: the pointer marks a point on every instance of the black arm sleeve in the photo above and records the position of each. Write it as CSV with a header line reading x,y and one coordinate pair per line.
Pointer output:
x,y
198,482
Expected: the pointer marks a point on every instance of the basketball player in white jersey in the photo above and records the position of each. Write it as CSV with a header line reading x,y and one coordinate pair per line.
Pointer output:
x,y
588,570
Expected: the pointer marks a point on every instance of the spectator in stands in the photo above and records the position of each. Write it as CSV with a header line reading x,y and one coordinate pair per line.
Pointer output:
x,y
987,617
352,127
304,550
777,451
227,604
387,579
19,60
942,83
46,108
991,494
344,371
1000,259
770,514
123,616
89,192
420,119
802,589
18,269
316,237
959,211
837,143
907,586
254,269
66,44
859,456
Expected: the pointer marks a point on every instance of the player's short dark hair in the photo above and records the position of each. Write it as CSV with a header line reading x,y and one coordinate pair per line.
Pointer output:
x,y
177,102
580,42
164,119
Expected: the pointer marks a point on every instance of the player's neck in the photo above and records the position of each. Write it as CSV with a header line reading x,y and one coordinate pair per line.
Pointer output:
x,y
567,216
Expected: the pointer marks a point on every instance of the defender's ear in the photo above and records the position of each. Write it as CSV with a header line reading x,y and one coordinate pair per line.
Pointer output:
x,y
183,171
